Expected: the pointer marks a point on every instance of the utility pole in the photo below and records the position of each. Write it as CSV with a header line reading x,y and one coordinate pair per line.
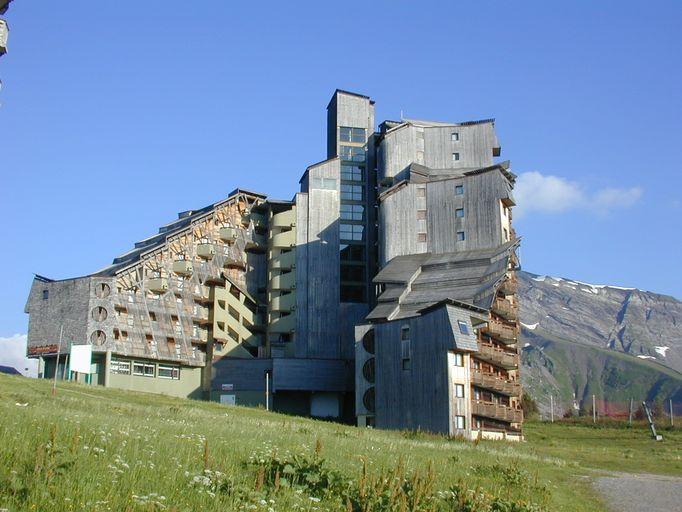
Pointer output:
x,y
672,414
551,406
594,410
56,364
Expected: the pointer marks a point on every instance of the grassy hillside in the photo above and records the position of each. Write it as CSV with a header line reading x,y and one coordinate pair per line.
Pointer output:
x,y
561,367
102,449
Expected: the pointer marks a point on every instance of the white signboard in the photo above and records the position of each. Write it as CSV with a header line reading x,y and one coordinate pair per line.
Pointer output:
x,y
80,359
228,399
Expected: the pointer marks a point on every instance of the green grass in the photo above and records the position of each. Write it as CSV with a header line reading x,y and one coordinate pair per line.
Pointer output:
x,y
101,449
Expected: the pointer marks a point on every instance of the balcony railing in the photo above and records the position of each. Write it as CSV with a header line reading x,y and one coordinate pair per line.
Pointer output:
x,y
283,303
509,286
200,314
505,333
228,234
183,267
284,219
283,282
506,309
496,356
494,383
283,240
157,285
205,251
497,412
285,260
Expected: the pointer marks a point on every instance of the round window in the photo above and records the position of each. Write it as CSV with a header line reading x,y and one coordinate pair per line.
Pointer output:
x,y
368,399
98,337
368,370
368,341
102,290
99,314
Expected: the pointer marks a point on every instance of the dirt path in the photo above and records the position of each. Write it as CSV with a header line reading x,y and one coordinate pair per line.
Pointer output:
x,y
637,492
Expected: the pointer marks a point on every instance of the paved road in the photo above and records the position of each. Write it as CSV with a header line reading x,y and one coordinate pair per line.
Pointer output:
x,y
625,492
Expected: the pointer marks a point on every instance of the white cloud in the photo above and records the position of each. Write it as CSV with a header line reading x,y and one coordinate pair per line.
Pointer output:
x,y
536,192
13,353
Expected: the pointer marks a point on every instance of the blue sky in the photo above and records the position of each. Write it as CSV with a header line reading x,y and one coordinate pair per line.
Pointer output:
x,y
114,118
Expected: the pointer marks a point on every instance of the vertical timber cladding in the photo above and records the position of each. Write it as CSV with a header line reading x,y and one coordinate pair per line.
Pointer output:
x,y
317,271
416,397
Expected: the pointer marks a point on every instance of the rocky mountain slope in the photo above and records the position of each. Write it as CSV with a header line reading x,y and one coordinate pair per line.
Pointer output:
x,y
581,339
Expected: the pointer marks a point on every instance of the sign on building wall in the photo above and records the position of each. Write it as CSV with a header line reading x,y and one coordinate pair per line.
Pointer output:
x,y
81,358
228,399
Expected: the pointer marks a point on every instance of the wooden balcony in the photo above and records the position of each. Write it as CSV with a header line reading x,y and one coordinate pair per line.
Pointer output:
x,y
502,332
509,286
497,356
496,384
506,309
496,411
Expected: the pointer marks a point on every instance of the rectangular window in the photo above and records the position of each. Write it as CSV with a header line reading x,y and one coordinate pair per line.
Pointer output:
x,y
421,192
460,236
459,360
455,157
421,237
459,190
352,212
459,389
421,214
352,273
352,153
352,293
463,327
351,192
143,369
406,354
169,372
454,137
347,134
405,333
119,367
459,422
352,231
352,252
459,212
46,294
351,173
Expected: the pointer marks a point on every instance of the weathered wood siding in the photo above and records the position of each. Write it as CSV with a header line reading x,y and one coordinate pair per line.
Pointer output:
x,y
317,253
481,223
416,398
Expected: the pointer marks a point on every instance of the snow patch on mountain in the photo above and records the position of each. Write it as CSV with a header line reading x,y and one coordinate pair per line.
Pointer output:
x,y
661,350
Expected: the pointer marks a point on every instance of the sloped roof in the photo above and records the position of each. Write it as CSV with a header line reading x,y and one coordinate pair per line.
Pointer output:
x,y
417,282
157,240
